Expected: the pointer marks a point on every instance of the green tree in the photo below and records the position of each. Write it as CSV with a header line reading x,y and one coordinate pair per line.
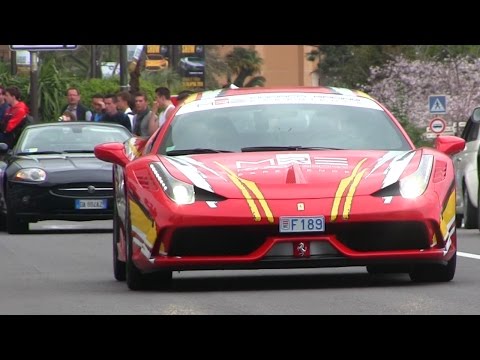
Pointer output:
x,y
215,66
349,65
245,63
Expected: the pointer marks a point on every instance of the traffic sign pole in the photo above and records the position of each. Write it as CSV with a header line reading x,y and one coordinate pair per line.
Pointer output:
x,y
34,85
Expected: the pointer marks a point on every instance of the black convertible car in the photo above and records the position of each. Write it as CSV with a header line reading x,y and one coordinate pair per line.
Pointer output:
x,y
52,173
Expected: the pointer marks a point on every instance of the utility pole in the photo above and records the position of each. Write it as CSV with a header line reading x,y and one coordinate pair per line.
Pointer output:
x,y
34,85
123,68
13,62
93,61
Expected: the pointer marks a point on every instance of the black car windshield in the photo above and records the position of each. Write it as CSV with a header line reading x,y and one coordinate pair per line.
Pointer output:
x,y
68,138
236,126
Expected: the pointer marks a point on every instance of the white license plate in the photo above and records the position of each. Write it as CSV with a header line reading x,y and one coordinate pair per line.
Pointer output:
x,y
290,224
82,204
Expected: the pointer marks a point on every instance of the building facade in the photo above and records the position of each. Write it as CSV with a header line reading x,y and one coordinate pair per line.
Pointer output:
x,y
283,65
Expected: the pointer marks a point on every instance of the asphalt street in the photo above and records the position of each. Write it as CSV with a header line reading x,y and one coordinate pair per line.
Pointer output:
x,y
66,268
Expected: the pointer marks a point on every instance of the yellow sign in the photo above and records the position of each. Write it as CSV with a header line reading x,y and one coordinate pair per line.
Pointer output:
x,y
188,49
153,49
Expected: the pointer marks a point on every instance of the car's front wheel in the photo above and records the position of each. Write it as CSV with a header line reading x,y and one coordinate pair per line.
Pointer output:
x,y
15,224
119,267
435,272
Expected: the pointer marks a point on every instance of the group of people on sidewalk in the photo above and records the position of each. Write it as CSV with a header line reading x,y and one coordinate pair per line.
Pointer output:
x,y
114,108
143,120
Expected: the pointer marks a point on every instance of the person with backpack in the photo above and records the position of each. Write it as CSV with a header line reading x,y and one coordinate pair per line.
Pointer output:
x,y
15,116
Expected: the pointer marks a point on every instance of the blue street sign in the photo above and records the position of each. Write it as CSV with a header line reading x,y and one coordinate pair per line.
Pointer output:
x,y
437,104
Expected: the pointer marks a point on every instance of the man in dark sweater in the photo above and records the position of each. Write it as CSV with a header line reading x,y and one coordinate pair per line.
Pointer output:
x,y
112,115
81,112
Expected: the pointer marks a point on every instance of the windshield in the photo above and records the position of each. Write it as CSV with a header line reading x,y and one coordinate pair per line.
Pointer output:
x,y
284,126
80,138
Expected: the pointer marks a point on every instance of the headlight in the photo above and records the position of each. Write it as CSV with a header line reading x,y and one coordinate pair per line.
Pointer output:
x,y
179,191
415,184
32,174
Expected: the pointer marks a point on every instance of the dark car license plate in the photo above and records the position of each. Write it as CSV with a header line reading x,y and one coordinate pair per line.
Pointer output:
x,y
87,204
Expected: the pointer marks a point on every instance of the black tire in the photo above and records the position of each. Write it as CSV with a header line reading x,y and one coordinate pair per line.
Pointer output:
x,y
135,279
434,272
458,220
119,267
470,212
15,224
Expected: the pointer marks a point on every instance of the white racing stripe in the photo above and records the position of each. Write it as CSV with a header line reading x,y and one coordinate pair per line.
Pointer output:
x,y
468,255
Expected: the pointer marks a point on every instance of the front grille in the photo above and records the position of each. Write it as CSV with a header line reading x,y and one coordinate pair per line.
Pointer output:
x,y
381,236
243,240
83,190
219,241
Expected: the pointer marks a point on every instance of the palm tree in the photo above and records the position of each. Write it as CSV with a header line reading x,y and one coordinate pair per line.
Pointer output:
x,y
245,63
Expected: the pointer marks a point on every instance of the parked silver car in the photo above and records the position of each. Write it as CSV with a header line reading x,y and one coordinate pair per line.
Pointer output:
x,y
466,174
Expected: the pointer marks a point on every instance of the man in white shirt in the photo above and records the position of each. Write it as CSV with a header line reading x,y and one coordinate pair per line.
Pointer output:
x,y
162,101
124,100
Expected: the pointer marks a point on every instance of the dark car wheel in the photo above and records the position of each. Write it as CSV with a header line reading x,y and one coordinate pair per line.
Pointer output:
x,y
470,212
434,272
15,224
135,279
119,267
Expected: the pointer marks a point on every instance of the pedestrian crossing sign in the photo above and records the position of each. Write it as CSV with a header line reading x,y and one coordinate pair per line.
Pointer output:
x,y
437,104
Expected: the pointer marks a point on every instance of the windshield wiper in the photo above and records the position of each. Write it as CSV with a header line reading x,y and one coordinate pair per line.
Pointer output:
x,y
78,151
195,151
286,148
39,153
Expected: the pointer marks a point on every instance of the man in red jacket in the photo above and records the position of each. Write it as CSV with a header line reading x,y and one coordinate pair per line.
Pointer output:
x,y
14,115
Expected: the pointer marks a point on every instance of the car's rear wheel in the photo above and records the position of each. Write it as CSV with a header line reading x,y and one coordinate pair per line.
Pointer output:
x,y
470,212
435,272
135,279
119,267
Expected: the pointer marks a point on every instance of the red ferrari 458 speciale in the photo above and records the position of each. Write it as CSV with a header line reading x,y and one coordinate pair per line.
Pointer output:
x,y
257,178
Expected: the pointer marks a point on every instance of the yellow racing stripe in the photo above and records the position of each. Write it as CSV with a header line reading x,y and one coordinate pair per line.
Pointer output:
x,y
261,199
348,200
341,189
238,183
447,215
143,223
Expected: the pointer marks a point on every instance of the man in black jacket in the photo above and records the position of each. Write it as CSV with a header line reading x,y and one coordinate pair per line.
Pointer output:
x,y
81,112
112,115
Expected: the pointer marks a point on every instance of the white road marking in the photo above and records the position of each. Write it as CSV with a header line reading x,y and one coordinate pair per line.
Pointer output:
x,y
468,255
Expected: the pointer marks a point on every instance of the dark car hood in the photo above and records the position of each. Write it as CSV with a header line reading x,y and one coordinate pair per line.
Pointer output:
x,y
285,175
60,163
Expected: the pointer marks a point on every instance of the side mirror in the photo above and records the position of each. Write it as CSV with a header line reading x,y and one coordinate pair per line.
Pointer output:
x,y
476,115
3,148
450,145
112,153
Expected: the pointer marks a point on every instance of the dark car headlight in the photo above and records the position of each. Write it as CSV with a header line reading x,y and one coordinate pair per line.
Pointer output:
x,y
30,174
